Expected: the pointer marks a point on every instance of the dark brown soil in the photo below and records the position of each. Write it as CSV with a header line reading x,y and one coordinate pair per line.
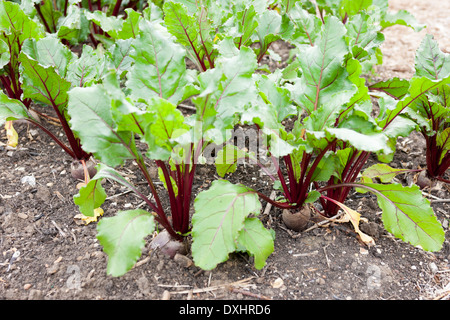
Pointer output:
x,y
60,258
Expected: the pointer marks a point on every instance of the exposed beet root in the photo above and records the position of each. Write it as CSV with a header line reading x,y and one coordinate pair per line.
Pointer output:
x,y
168,246
423,180
77,169
297,221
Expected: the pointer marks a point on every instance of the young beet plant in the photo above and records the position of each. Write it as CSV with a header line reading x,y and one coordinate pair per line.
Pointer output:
x,y
35,68
432,109
334,133
425,100
108,118
40,69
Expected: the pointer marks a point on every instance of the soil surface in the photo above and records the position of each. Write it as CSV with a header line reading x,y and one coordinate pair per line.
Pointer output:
x,y
60,257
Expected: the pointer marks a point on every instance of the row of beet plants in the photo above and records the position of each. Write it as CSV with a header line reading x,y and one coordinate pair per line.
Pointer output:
x,y
117,99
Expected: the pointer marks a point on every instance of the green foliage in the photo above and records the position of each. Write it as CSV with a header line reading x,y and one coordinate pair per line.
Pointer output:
x,y
118,100
221,225
123,238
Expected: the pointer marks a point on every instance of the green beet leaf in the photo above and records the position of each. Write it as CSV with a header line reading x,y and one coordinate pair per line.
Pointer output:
x,y
18,25
257,241
419,87
363,36
74,27
49,52
43,79
402,18
395,87
11,109
159,68
92,120
324,86
219,217
301,28
88,68
430,61
123,237
120,56
93,194
192,30
409,216
4,54
443,141
382,171
226,91
90,197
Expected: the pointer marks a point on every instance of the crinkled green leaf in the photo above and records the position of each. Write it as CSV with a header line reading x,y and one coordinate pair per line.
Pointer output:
x,y
353,7
219,217
419,87
88,68
355,75
325,169
443,141
49,52
117,27
226,91
120,55
268,29
301,28
16,27
193,31
273,106
277,143
106,172
4,54
123,237
373,143
241,24
363,36
74,27
430,61
168,119
13,19
159,68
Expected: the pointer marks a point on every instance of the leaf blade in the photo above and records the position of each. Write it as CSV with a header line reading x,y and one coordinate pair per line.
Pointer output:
x,y
219,216
122,238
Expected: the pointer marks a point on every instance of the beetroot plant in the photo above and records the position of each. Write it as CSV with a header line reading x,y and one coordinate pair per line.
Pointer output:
x,y
432,109
108,116
334,131
40,69
424,100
